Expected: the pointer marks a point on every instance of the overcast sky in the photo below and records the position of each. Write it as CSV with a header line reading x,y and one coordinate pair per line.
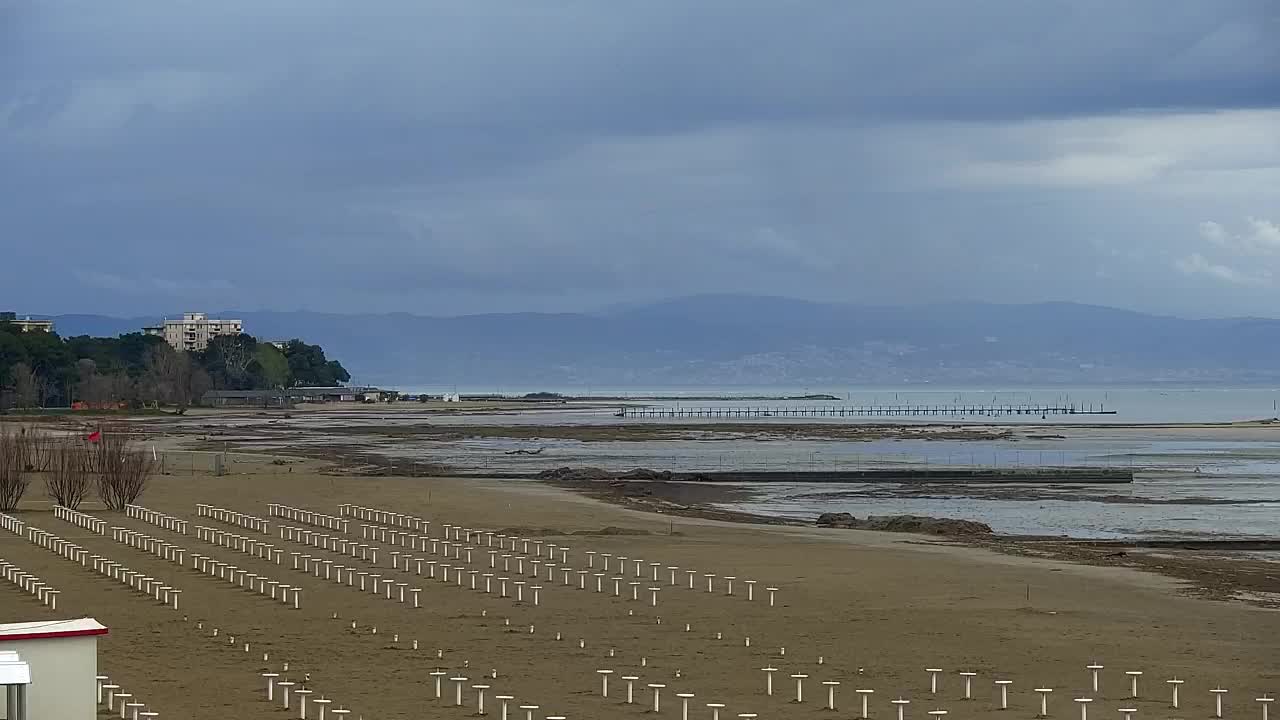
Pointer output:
x,y
447,157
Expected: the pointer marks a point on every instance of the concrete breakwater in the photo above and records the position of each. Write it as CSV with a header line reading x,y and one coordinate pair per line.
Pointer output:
x,y
1028,475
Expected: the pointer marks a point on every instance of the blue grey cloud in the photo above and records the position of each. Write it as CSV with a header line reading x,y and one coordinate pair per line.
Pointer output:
x,y
437,157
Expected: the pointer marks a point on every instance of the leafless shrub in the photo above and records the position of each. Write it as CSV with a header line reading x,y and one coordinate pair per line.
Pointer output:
x,y
36,449
13,480
122,470
68,478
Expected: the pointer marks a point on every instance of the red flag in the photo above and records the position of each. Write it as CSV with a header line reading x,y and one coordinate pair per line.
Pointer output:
x,y
95,436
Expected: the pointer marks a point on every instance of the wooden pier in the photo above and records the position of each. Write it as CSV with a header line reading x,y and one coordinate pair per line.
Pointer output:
x,y
852,411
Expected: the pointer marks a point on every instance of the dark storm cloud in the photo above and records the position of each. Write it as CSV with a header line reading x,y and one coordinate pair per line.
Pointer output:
x,y
445,157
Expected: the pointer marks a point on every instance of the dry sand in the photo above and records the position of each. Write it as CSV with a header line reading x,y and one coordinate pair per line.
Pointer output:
x,y
879,608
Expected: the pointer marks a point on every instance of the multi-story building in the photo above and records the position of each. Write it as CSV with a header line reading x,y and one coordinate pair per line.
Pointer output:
x,y
26,324
193,332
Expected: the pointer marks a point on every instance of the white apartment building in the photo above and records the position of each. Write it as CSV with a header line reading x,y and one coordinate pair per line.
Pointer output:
x,y
193,332
27,324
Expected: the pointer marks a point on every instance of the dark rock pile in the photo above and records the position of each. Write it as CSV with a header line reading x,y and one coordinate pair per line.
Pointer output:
x,y
905,523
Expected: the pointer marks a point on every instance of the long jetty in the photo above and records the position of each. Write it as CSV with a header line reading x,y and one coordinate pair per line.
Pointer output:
x,y
939,475
832,411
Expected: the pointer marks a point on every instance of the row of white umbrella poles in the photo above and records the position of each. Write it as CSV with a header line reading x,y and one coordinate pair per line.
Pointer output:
x,y
404,529
111,696
43,591
1003,688
409,538
231,574
160,590
233,517
292,695
159,519
412,532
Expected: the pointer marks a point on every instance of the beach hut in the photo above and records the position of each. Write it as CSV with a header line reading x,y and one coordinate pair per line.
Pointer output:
x,y
59,661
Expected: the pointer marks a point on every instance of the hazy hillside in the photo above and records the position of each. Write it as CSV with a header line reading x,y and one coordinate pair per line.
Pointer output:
x,y
758,340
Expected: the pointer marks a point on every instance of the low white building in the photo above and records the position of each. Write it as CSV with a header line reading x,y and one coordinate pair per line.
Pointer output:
x,y
194,331
26,324
62,661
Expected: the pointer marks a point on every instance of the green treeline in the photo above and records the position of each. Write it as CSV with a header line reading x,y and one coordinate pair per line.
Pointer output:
x,y
40,369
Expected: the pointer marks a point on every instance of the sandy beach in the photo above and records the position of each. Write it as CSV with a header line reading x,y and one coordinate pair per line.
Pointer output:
x,y
870,610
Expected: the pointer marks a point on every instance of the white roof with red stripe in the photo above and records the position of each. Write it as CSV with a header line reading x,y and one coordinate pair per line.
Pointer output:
x,y
49,629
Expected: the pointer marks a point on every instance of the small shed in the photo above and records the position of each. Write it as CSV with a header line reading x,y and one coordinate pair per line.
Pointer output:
x,y
62,657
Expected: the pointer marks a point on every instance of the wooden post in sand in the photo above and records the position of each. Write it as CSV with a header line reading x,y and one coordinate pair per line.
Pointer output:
x,y
1044,701
799,678
1218,692
657,696
1174,683
504,699
439,676
831,693
684,710
768,682
604,682
1094,669
866,699
1133,683
1004,693
284,693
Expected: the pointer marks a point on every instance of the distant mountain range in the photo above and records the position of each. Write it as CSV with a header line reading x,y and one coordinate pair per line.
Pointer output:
x,y
749,340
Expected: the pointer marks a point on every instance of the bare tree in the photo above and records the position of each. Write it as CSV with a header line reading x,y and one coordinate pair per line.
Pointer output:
x,y
121,388
26,385
172,378
35,449
198,384
86,380
122,469
13,480
68,479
